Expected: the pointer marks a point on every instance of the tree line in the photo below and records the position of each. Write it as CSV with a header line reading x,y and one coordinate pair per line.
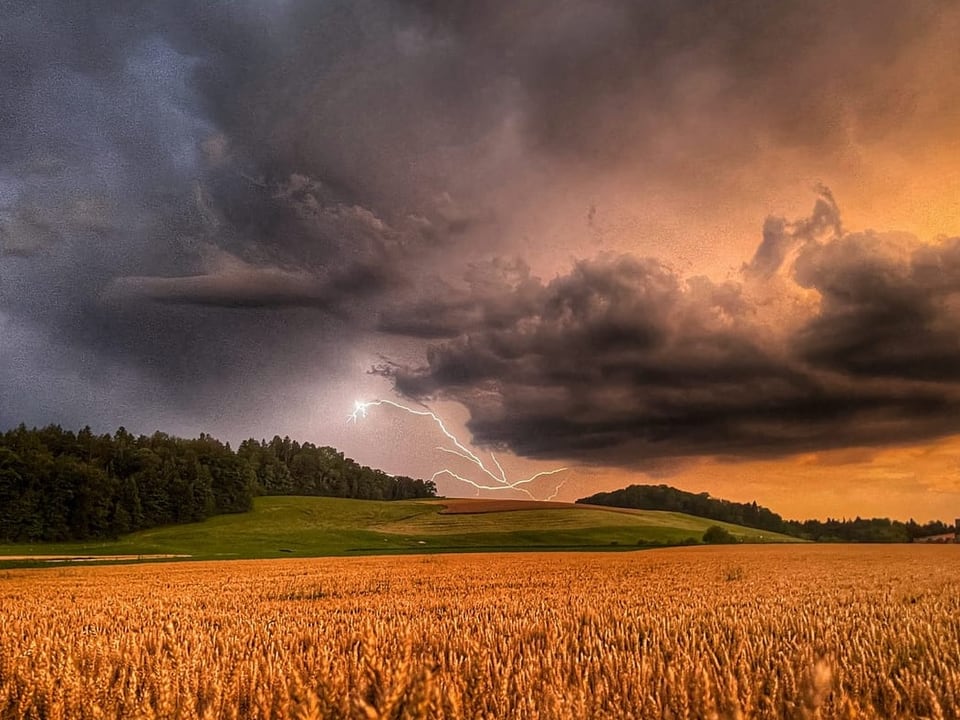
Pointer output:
x,y
57,485
286,467
664,497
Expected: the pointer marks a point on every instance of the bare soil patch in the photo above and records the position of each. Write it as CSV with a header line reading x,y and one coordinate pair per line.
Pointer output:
x,y
473,506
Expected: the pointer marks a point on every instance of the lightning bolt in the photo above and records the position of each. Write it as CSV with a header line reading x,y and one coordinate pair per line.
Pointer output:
x,y
496,480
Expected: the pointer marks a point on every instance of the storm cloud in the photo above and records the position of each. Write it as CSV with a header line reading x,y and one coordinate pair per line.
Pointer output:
x,y
624,360
207,206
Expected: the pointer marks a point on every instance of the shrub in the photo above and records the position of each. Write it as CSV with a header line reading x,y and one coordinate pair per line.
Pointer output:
x,y
716,535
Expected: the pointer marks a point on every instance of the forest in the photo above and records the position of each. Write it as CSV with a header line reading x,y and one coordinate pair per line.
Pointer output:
x,y
57,485
664,497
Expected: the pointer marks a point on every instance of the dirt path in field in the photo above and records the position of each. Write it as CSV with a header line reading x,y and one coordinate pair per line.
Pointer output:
x,y
89,558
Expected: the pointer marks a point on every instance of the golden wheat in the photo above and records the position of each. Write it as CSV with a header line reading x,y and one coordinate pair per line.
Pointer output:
x,y
767,632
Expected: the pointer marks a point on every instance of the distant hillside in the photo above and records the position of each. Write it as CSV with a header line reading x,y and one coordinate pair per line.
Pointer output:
x,y
664,497
56,485
310,526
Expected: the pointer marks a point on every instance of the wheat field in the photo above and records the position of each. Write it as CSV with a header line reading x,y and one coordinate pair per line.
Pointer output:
x,y
702,632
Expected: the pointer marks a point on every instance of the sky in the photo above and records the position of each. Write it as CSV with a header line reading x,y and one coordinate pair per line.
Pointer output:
x,y
708,243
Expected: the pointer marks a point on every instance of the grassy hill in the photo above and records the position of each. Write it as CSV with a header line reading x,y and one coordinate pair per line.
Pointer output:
x,y
312,526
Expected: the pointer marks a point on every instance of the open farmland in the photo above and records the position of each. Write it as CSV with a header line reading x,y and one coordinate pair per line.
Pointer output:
x,y
314,526
725,632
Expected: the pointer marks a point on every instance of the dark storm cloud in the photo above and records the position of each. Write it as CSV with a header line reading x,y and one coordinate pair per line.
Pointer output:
x,y
890,307
166,166
781,238
623,360
211,193
496,294
615,82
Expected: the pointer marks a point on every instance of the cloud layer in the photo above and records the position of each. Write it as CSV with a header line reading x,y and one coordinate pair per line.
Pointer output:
x,y
624,360
215,210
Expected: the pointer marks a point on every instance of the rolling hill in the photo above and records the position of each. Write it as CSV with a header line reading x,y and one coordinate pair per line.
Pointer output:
x,y
314,526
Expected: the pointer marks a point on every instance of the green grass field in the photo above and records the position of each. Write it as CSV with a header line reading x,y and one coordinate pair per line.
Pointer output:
x,y
313,526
